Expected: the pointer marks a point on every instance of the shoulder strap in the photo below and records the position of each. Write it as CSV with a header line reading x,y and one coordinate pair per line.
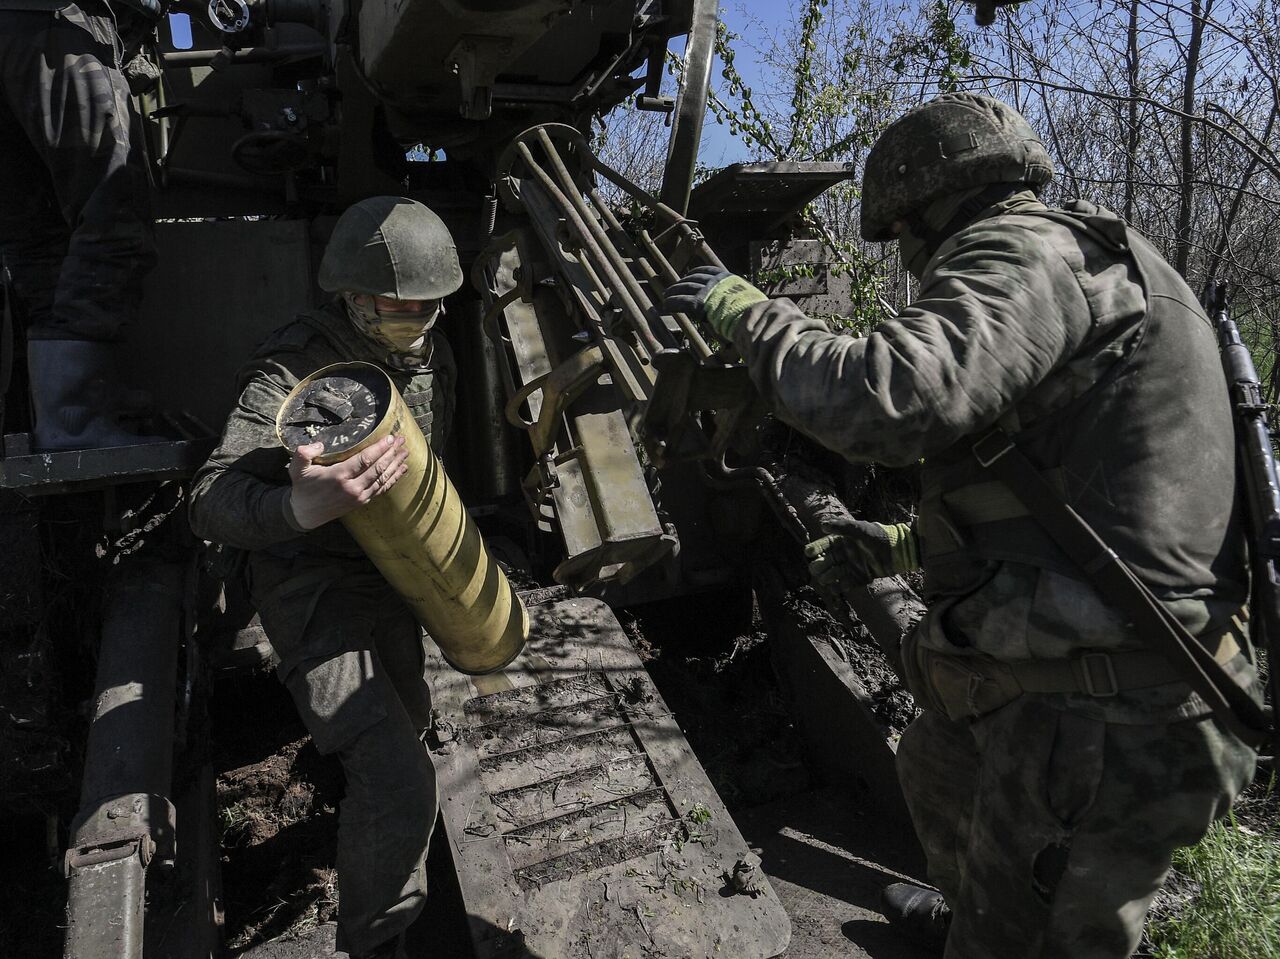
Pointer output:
x,y
1233,707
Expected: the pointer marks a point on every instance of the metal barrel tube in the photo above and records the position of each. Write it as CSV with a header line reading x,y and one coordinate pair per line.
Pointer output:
x,y
587,237
487,445
125,816
418,533
645,314
657,282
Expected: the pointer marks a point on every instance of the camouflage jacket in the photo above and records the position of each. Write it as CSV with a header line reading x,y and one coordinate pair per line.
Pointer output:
x,y
1020,319
238,496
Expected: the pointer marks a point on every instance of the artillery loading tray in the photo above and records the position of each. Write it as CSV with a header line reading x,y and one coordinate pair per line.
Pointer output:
x,y
581,824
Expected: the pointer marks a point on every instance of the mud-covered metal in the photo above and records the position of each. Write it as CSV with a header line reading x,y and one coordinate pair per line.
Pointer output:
x,y
418,532
579,820
126,819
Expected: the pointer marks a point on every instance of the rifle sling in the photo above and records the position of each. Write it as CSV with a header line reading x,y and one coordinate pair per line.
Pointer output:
x,y
1234,708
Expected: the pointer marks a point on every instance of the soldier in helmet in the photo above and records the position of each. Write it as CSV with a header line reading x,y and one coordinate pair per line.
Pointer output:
x,y
75,228
1058,761
350,650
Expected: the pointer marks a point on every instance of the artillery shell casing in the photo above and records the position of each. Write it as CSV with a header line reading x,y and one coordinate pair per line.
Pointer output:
x,y
417,533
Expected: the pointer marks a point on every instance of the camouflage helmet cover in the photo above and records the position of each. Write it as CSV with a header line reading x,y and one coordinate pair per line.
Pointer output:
x,y
953,143
391,246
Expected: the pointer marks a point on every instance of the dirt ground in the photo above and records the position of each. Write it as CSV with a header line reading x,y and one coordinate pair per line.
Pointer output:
x,y
709,657
277,812
892,705
711,660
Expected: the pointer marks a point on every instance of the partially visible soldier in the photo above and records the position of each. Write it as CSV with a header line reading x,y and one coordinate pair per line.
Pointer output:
x,y
1058,761
350,649
75,228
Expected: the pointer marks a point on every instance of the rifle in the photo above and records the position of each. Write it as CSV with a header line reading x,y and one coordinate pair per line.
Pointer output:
x,y
1257,465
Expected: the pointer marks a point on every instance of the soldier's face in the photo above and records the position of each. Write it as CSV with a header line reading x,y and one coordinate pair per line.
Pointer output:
x,y
399,325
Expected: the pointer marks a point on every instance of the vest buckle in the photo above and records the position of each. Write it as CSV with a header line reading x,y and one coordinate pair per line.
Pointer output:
x,y
1098,675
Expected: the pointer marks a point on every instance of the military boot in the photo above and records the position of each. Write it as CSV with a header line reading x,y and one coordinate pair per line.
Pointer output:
x,y
76,397
920,914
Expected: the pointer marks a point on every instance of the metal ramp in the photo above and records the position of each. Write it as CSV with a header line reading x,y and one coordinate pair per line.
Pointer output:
x,y
581,824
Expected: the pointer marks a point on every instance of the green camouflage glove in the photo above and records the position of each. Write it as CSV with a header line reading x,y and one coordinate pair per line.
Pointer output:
x,y
846,561
714,295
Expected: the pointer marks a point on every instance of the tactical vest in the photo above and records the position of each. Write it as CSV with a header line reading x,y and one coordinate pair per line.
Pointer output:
x,y
428,392
1145,454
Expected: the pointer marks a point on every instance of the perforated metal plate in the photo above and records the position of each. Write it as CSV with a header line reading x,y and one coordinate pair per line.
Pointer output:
x,y
582,825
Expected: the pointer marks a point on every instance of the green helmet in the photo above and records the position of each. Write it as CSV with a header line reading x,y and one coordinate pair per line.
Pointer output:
x,y
391,246
954,143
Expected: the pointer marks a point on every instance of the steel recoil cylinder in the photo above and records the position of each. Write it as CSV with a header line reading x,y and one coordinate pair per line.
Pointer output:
x,y
417,532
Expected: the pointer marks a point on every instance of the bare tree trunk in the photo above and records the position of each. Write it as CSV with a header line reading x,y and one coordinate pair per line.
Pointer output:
x,y
1131,134
1186,159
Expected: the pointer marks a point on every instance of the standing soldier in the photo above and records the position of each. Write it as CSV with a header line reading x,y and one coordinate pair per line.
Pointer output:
x,y
1058,761
350,650
75,229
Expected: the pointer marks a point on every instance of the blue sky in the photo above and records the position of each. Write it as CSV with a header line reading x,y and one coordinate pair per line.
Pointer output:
x,y
747,20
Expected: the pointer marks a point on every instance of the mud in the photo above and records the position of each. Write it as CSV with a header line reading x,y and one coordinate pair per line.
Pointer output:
x,y
277,812
709,657
892,705
278,797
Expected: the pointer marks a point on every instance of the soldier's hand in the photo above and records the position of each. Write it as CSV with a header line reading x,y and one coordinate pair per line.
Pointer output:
x,y
862,552
689,295
320,494
713,295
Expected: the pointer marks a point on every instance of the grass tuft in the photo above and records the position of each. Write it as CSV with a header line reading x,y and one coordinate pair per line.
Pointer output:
x,y
1235,911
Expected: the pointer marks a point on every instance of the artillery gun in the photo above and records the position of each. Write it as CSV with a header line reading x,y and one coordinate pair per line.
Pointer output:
x,y
271,116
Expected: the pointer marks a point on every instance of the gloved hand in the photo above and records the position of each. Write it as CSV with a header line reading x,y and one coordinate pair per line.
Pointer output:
x,y
846,561
714,295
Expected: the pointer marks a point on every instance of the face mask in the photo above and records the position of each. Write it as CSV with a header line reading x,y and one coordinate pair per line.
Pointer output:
x,y
401,333
915,255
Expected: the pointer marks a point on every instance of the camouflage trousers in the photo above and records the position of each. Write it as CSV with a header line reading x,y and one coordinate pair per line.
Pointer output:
x,y
1049,833
351,657
75,228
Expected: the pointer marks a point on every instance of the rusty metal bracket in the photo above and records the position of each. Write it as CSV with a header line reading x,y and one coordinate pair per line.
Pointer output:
x,y
139,825
109,849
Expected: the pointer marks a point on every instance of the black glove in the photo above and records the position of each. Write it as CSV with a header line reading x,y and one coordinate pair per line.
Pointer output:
x,y
715,296
689,295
